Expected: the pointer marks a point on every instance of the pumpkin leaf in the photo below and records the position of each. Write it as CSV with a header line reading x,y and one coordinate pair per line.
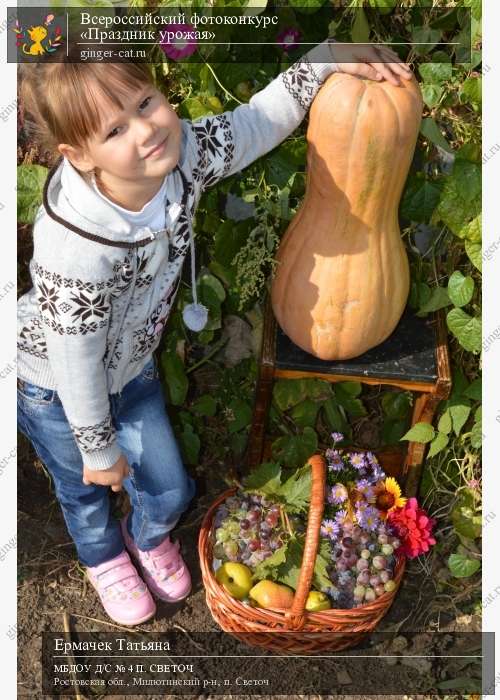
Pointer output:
x,y
335,418
424,39
471,92
460,288
466,329
472,231
396,404
437,444
290,392
420,432
354,407
462,566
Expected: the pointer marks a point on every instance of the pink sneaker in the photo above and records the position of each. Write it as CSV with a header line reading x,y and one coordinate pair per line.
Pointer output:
x,y
123,593
163,568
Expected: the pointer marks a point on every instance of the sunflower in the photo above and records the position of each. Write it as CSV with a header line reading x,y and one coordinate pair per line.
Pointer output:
x,y
388,496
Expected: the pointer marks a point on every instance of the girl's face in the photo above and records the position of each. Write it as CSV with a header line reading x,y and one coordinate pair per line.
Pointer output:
x,y
139,143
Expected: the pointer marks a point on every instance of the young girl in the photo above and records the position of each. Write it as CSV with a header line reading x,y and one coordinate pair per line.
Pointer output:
x,y
109,243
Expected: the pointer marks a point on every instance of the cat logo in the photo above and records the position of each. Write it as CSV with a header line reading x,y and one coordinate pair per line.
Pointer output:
x,y
44,39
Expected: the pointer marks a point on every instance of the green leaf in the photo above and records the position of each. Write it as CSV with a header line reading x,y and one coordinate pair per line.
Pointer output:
x,y
321,579
461,566
229,238
466,520
30,183
476,435
305,413
435,73
196,107
297,489
281,166
420,432
431,131
350,388
460,201
205,405
466,329
445,423
290,392
460,288
431,93
295,450
175,377
354,407
474,390
459,411
474,253
420,199
190,445
288,572
438,300
239,415
214,284
393,431
471,91
334,418
268,569
360,31
426,37
437,444
266,479
395,404
467,176
472,230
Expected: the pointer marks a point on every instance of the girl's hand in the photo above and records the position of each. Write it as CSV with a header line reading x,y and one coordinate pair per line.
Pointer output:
x,y
108,477
369,64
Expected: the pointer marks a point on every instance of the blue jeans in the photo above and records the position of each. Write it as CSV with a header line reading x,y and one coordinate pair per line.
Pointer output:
x,y
158,485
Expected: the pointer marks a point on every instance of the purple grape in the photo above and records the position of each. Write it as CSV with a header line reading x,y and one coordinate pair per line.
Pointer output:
x,y
361,564
363,577
253,545
245,524
347,542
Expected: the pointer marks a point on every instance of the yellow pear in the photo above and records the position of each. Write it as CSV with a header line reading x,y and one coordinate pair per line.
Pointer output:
x,y
268,594
317,601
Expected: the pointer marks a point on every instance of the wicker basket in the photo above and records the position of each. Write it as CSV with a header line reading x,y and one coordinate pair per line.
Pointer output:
x,y
294,630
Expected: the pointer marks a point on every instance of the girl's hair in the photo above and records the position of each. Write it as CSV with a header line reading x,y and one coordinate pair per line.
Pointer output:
x,y
59,100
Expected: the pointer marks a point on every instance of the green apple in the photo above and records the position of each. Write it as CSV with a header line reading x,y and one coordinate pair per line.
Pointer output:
x,y
235,578
317,601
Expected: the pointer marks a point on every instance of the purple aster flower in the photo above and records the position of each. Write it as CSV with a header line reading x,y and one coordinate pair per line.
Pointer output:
x,y
366,488
337,437
329,528
338,494
288,38
357,459
335,460
340,516
368,518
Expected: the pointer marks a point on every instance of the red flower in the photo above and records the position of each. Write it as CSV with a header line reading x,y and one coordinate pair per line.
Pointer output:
x,y
414,528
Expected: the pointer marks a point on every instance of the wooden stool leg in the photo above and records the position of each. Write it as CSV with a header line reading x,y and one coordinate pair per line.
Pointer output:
x,y
423,412
263,393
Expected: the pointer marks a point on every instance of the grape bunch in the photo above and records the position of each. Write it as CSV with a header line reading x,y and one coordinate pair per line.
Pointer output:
x,y
248,529
363,563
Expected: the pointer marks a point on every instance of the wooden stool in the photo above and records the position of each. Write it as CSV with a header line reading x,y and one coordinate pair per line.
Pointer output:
x,y
415,357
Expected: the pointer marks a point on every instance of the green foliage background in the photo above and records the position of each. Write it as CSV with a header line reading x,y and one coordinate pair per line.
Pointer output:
x,y
209,377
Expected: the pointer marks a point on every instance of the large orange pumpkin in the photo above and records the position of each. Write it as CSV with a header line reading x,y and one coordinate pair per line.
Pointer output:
x,y
342,278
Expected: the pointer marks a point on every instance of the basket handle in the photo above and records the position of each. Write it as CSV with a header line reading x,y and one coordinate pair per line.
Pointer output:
x,y
295,615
